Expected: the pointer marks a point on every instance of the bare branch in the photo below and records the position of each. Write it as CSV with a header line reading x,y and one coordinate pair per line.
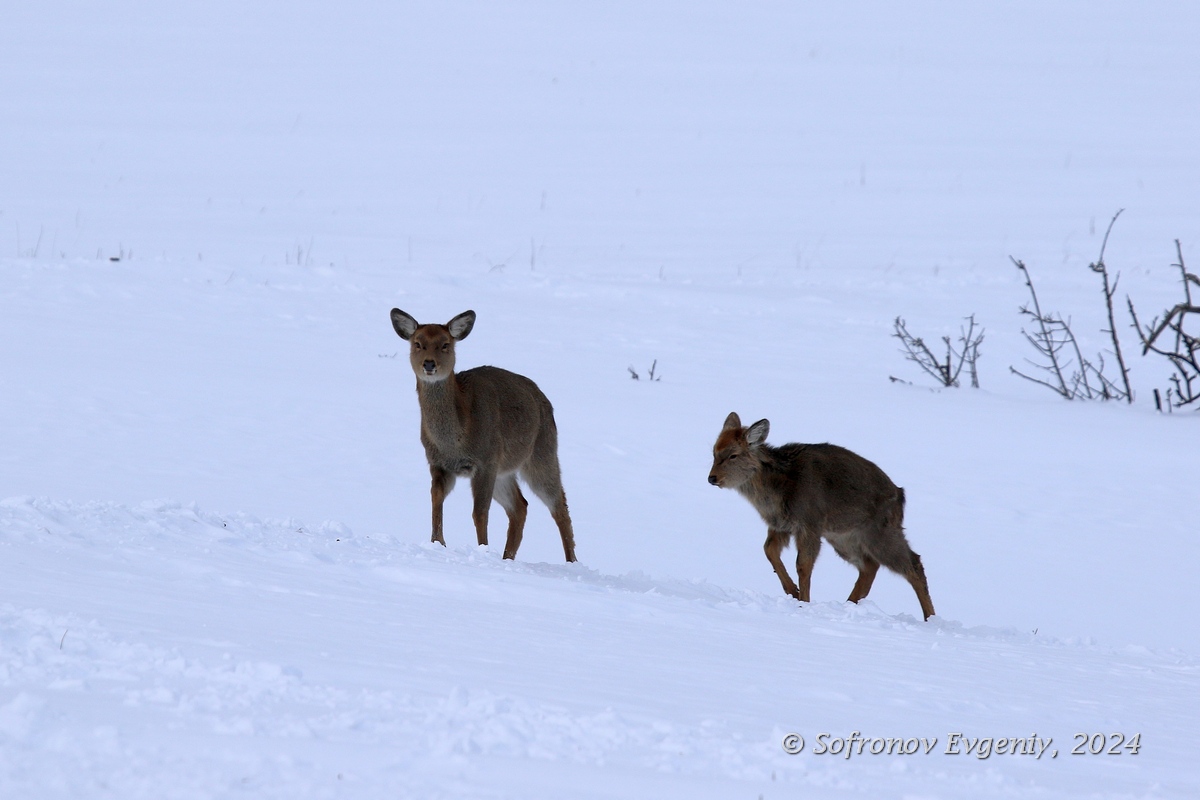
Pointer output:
x,y
1100,268
1051,336
1187,276
1061,390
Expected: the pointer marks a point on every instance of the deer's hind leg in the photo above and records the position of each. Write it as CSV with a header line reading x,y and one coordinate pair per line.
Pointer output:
x,y
866,577
852,546
893,552
508,495
544,477
916,577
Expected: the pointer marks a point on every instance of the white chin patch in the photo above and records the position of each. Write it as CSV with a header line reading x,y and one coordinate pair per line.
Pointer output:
x,y
430,377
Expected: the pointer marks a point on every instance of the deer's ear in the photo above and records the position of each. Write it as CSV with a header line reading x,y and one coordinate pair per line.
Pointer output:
x,y
756,434
405,325
732,421
461,325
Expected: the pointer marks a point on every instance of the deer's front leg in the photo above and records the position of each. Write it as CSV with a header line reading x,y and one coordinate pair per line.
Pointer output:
x,y
441,484
483,485
808,547
776,541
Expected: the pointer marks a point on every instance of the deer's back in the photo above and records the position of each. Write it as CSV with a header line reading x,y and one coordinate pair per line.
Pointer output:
x,y
825,487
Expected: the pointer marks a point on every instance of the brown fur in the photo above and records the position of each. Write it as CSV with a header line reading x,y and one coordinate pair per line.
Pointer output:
x,y
806,492
486,423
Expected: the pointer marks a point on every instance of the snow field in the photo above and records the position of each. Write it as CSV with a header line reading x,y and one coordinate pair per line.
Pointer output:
x,y
249,670
207,209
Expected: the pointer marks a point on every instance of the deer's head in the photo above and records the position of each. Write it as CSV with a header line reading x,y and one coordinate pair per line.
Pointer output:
x,y
431,347
735,459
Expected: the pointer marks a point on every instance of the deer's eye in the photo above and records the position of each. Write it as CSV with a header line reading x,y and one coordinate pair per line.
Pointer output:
x,y
445,346
732,456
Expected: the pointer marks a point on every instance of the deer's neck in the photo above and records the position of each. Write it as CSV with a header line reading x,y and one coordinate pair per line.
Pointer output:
x,y
765,489
441,415
756,491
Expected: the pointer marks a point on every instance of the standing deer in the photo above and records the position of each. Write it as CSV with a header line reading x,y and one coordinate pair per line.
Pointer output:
x,y
488,423
809,491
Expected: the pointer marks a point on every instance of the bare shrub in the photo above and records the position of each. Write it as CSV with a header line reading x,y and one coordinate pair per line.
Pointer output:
x,y
1067,372
945,371
1167,337
650,376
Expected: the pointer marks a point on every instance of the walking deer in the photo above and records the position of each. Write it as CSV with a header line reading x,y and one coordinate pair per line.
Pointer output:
x,y
486,423
806,492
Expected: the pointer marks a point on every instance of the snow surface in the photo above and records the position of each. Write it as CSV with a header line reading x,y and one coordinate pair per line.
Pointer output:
x,y
745,197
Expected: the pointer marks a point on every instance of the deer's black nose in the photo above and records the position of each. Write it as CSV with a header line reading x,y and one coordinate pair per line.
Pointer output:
x,y
712,479
430,365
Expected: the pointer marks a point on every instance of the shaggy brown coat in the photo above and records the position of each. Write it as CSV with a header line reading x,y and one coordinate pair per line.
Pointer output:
x,y
806,492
